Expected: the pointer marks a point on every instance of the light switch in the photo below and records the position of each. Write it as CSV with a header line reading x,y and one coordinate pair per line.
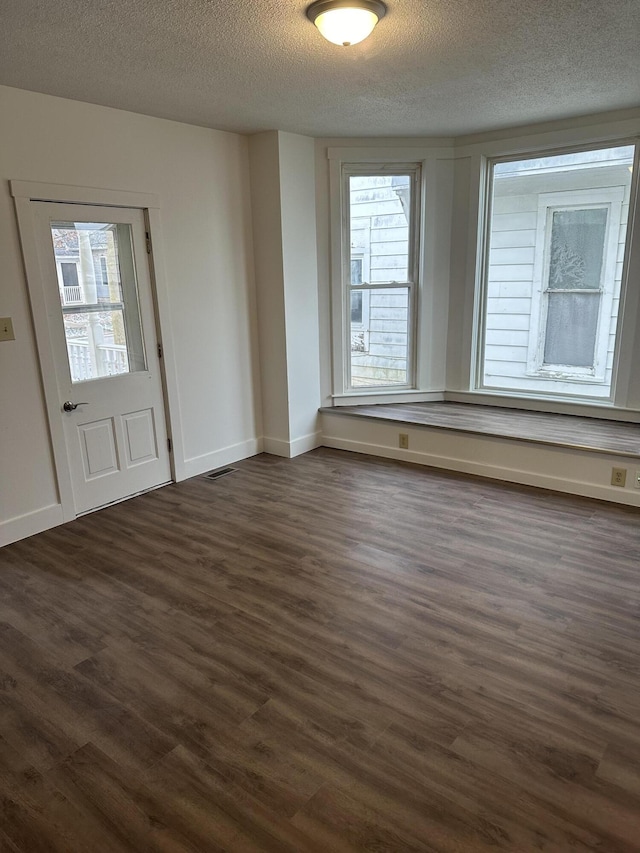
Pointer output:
x,y
6,329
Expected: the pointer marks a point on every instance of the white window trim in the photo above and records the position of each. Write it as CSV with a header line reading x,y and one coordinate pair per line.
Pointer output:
x,y
436,158
611,198
341,273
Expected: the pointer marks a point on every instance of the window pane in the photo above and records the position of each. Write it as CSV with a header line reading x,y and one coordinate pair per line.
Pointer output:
x,y
356,270
577,248
356,307
379,343
380,208
551,229
99,299
92,345
572,322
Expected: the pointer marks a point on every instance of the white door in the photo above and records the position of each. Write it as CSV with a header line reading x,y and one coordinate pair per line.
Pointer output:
x,y
96,292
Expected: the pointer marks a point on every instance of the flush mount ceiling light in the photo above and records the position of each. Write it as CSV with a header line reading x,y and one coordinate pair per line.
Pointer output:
x,y
346,22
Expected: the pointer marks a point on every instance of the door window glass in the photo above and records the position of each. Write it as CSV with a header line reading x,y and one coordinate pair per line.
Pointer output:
x,y
99,298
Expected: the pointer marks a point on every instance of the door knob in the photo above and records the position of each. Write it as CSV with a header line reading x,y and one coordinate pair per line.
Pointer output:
x,y
71,407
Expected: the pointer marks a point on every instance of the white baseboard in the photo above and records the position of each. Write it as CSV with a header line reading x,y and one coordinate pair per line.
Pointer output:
x,y
289,449
495,472
305,443
218,458
276,446
30,523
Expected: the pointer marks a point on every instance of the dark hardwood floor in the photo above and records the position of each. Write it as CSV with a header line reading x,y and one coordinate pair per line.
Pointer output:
x,y
331,653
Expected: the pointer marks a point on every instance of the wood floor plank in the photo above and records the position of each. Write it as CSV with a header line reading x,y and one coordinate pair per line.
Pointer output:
x,y
212,808
621,766
332,652
563,779
71,706
519,819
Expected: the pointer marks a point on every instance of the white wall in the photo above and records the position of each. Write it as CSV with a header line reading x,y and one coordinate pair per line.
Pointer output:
x,y
267,230
464,225
284,222
202,179
297,180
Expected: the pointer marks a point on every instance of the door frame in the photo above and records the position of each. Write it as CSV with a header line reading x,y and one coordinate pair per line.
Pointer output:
x,y
25,195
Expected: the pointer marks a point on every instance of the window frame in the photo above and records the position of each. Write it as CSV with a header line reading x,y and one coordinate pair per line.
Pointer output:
x,y
626,319
342,353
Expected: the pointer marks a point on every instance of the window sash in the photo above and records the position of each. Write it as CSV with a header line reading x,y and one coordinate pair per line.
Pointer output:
x,y
411,284
611,197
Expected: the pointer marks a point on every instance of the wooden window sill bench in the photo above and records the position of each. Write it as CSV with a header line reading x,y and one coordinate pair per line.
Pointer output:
x,y
596,435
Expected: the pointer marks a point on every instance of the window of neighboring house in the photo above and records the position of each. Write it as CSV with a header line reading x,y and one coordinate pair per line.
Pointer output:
x,y
102,278
359,309
356,308
553,275
575,284
357,302
68,277
69,274
379,276
356,269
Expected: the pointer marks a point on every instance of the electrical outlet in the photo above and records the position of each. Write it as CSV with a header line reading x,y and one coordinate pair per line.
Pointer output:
x,y
618,476
403,440
6,329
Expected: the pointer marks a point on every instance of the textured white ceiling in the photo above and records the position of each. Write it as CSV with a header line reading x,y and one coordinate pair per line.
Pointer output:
x,y
431,67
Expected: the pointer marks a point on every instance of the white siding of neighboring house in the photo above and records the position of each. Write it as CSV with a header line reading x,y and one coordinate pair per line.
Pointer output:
x,y
380,236
510,281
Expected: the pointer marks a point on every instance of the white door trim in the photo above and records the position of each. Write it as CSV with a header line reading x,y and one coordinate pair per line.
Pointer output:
x,y
169,370
25,193
37,191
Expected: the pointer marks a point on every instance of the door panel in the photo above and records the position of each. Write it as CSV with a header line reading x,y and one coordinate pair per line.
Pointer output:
x,y
98,448
97,293
140,437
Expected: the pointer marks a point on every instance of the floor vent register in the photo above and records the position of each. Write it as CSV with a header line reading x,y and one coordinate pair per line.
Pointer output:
x,y
221,472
